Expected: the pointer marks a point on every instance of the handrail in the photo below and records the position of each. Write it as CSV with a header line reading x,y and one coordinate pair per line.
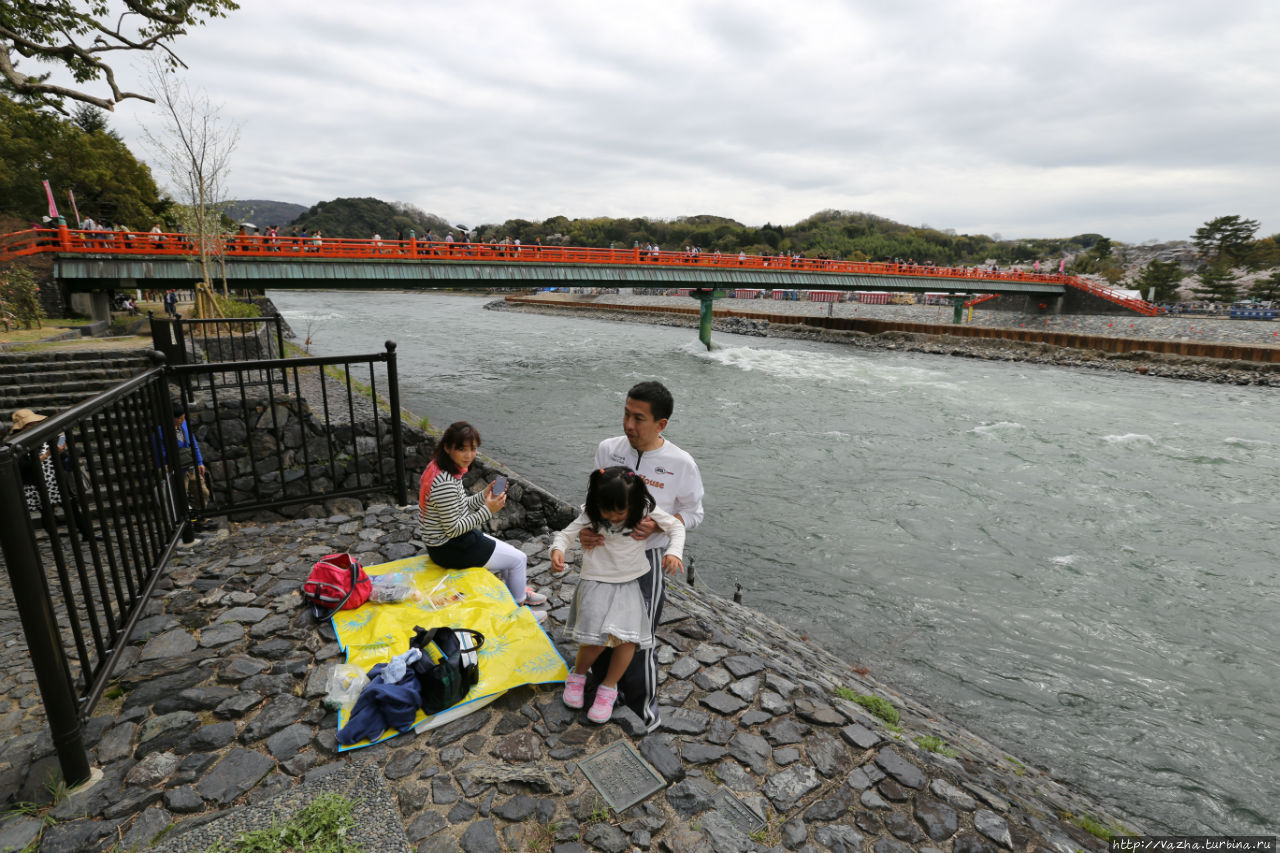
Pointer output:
x,y
313,248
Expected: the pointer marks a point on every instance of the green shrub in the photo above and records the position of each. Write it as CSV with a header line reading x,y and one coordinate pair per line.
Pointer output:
x,y
236,308
19,297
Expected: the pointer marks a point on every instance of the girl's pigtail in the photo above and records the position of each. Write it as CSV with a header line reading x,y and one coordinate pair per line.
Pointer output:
x,y
640,503
592,504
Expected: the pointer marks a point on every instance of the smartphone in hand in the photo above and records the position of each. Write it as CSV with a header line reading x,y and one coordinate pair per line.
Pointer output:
x,y
499,485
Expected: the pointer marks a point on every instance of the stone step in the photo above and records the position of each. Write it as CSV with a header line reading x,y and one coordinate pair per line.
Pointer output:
x,y
70,385
62,356
35,379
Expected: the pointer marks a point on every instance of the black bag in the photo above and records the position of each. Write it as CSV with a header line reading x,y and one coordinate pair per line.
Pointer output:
x,y
449,666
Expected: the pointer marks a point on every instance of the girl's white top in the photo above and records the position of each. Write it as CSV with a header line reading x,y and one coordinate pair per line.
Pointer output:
x,y
620,558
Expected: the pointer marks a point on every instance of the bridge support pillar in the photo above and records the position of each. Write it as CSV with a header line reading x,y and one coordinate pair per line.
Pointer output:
x,y
100,307
705,297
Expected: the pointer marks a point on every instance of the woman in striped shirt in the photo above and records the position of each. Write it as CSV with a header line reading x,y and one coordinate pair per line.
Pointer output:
x,y
449,520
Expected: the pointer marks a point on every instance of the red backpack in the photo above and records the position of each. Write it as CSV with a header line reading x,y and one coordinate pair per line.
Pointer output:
x,y
338,582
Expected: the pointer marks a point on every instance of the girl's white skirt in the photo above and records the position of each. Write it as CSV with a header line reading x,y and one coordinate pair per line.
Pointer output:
x,y
607,614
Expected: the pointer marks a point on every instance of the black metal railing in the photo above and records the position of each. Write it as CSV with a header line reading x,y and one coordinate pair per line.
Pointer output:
x,y
338,435
220,341
89,525
95,498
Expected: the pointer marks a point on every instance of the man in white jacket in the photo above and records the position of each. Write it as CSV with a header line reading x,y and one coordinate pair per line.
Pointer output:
x,y
676,485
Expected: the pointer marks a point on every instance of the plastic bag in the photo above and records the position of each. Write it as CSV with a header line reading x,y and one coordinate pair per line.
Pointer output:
x,y
441,596
344,686
397,586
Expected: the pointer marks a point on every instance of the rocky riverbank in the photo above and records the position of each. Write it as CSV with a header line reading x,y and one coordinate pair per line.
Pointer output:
x,y
991,349
767,742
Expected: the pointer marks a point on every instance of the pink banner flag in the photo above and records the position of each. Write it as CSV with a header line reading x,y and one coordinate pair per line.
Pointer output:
x,y
72,195
1037,266
53,208
1062,265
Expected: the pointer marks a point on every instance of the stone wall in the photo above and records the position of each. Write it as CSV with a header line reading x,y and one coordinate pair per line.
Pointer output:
x,y
277,445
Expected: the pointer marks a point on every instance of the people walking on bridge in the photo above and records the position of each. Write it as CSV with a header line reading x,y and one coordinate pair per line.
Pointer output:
x,y
608,609
674,481
449,519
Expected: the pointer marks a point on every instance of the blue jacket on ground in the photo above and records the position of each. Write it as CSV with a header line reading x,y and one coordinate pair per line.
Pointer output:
x,y
382,706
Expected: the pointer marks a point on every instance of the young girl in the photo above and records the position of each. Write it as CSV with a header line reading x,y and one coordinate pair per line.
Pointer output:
x,y
608,608
449,520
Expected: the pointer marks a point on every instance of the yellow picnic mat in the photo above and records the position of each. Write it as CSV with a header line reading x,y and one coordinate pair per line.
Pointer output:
x,y
516,650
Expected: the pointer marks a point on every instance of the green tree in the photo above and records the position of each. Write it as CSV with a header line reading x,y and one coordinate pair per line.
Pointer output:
x,y
1266,289
361,218
1217,284
1164,277
109,183
1225,239
77,35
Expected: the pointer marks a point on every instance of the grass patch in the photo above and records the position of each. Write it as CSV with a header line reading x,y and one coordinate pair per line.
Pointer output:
x,y
23,336
1094,827
544,837
881,708
771,832
322,827
933,743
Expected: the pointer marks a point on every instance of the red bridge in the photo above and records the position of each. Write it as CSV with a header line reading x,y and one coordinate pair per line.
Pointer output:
x,y
105,260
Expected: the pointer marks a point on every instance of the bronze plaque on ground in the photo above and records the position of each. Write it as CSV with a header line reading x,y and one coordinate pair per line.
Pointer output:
x,y
738,813
621,775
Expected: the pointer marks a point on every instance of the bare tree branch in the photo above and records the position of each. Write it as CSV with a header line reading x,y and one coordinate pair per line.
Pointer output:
x,y
195,148
62,32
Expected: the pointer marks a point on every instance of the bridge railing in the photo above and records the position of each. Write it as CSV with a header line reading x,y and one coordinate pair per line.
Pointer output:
x,y
325,248
320,248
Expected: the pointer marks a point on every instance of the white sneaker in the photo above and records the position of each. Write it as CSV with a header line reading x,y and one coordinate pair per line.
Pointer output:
x,y
540,615
533,598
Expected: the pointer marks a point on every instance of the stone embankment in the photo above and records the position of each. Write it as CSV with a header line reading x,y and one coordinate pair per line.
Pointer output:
x,y
1188,328
216,725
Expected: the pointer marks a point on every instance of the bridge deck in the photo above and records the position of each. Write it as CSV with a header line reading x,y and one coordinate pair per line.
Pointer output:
x,y
97,260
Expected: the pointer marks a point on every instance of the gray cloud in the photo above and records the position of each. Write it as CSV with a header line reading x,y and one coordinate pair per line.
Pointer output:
x,y
1138,120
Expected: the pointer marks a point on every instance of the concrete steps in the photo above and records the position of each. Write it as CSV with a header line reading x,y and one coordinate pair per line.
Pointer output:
x,y
48,382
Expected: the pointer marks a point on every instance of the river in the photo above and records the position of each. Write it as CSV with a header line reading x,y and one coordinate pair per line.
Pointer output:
x,y
1082,566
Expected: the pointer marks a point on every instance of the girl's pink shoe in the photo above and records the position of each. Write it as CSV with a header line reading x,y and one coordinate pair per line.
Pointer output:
x,y
574,686
602,708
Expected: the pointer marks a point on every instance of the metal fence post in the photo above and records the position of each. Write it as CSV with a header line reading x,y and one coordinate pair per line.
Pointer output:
x,y
397,437
31,597
284,371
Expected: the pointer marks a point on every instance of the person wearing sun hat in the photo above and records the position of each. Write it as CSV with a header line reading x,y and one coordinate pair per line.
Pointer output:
x,y
33,466
24,418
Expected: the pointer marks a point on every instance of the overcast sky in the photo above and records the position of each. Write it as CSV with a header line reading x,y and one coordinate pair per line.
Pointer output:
x,y
1139,120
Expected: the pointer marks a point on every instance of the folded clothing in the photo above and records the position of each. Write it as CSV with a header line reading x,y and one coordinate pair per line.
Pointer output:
x,y
382,706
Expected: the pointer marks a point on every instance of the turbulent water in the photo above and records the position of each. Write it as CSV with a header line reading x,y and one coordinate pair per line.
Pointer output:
x,y
1082,566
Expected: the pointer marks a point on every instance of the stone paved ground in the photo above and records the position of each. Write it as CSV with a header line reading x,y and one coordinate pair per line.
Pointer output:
x,y
219,710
